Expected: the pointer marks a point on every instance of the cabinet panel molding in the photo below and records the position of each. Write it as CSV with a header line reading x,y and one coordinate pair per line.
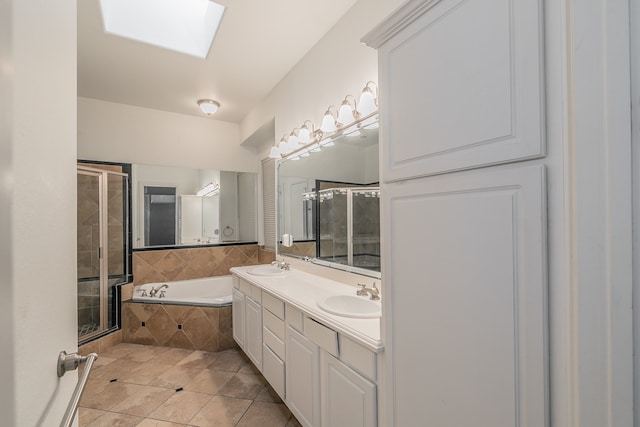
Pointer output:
x,y
466,260
463,87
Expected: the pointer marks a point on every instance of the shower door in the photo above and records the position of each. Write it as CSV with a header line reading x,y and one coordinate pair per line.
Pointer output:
x,y
102,248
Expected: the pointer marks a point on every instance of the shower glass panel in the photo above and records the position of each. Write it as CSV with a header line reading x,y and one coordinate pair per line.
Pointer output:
x,y
102,248
349,223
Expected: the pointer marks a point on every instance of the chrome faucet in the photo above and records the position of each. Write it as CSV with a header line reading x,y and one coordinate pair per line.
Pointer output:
x,y
282,265
154,291
373,291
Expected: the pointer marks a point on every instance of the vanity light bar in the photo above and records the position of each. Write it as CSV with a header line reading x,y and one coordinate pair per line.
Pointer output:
x,y
348,121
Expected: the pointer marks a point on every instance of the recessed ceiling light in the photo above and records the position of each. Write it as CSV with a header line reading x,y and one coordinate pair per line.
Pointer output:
x,y
208,106
186,26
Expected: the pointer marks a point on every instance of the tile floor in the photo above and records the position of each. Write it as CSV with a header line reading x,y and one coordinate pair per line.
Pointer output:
x,y
145,386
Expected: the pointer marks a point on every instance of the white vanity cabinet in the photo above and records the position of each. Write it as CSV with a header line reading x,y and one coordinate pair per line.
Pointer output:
x,y
247,319
348,399
464,231
303,378
326,377
237,313
273,352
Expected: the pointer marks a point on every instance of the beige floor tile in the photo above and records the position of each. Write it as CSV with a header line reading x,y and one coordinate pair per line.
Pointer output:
x,y
293,422
109,395
145,373
100,362
198,359
230,360
88,415
265,414
181,407
249,368
145,354
149,422
243,386
209,381
121,350
172,356
268,394
112,419
145,401
175,377
115,369
221,412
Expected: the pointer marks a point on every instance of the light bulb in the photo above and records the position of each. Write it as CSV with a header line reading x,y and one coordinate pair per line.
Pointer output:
x,y
304,137
367,104
345,114
328,122
275,152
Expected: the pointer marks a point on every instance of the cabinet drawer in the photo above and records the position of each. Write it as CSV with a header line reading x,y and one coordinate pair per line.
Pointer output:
x,y
294,318
273,342
245,287
325,337
358,357
273,304
256,294
273,371
275,325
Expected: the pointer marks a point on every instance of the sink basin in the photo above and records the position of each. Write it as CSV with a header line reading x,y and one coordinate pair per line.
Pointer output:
x,y
351,306
266,271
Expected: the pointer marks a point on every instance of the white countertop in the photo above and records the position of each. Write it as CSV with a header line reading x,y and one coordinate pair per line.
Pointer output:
x,y
302,290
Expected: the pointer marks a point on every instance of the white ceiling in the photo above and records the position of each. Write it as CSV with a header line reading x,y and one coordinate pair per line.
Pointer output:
x,y
257,43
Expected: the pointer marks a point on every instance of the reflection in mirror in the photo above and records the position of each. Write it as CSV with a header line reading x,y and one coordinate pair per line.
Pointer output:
x,y
174,206
329,202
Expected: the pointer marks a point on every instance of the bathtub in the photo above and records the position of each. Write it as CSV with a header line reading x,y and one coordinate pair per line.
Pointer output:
x,y
208,291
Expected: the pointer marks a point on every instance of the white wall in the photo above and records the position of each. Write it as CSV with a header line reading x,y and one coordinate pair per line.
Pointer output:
x,y
114,132
336,66
37,170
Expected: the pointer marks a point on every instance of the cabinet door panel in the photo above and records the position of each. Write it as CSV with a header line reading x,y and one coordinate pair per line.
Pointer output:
x,y
463,88
237,317
253,329
348,399
465,292
273,370
303,378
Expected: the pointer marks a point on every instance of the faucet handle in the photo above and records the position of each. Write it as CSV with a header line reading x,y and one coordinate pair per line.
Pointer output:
x,y
362,291
162,293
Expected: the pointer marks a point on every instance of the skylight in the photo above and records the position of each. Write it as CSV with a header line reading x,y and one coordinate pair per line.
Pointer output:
x,y
186,26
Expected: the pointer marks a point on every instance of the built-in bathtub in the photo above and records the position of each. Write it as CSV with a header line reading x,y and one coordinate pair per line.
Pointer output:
x,y
192,314
207,291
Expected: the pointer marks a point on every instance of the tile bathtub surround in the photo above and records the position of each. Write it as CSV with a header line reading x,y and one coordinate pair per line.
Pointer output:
x,y
179,326
193,263
138,385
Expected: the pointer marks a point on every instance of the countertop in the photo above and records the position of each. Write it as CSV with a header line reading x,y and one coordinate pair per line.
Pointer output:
x,y
302,290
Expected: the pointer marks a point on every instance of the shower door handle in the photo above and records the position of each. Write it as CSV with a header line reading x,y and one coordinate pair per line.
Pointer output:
x,y
99,252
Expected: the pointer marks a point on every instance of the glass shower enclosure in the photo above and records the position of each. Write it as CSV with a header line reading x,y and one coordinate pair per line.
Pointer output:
x,y
103,260
349,226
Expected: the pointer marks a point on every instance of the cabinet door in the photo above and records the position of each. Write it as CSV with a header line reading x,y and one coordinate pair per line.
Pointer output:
x,y
253,331
348,399
273,370
303,378
463,86
465,296
237,312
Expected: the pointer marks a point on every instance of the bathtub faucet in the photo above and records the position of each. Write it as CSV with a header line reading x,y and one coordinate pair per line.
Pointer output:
x,y
154,291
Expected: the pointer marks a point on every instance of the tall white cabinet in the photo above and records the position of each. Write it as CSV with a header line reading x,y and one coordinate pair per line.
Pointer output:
x,y
464,214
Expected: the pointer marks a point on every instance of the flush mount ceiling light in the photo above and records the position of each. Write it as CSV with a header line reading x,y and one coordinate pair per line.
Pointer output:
x,y
186,26
208,106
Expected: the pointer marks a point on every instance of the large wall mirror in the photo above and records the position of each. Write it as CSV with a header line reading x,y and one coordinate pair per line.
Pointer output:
x,y
174,206
329,203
